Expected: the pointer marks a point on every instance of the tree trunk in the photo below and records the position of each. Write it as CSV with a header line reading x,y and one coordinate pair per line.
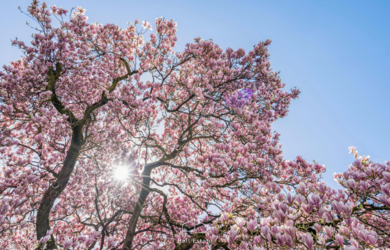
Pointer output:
x,y
52,193
127,244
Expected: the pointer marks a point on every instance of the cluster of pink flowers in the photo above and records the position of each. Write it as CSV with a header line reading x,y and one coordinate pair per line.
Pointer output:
x,y
312,215
193,132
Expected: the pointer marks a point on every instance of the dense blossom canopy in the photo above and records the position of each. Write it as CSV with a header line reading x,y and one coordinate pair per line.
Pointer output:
x,y
110,140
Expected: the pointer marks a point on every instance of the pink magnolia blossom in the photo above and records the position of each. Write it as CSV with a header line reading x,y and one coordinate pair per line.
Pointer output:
x,y
308,240
95,156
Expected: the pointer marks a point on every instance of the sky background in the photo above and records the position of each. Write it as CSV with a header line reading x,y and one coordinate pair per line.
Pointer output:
x,y
336,52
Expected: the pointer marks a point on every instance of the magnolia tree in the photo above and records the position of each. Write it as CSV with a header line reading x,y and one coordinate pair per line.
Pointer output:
x,y
110,140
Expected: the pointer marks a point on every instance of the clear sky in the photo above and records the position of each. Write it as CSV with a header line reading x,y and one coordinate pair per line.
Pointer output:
x,y
336,52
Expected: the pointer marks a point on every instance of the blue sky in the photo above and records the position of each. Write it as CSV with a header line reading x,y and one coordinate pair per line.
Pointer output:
x,y
336,52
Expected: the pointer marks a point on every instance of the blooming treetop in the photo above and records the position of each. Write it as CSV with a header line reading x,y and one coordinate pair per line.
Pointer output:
x,y
190,132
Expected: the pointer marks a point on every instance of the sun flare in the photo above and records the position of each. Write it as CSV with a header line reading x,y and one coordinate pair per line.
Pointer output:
x,y
121,173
